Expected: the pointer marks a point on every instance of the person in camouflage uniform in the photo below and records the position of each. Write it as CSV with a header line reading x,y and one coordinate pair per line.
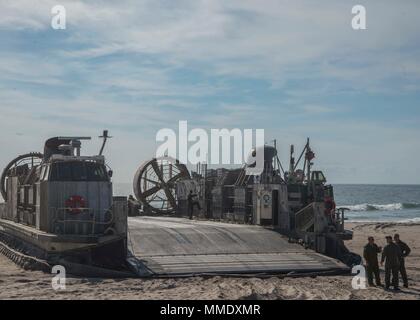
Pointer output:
x,y
405,251
370,253
391,255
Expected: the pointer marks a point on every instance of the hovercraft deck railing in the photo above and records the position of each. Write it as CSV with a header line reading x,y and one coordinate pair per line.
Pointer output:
x,y
85,222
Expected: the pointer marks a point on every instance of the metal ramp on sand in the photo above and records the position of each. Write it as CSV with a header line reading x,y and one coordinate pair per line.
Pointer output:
x,y
166,246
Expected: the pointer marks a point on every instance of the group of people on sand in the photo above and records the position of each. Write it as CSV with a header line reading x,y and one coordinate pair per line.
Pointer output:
x,y
393,255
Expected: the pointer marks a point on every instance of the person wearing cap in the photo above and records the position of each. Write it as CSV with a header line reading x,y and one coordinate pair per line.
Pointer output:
x,y
391,255
370,253
405,251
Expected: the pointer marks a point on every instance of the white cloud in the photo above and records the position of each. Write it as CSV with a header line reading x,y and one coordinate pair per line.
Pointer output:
x,y
116,66
245,38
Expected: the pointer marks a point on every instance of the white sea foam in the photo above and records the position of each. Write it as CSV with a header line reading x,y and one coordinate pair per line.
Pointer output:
x,y
381,207
412,220
381,220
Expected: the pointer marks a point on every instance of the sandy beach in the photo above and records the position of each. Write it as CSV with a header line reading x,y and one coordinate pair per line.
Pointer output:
x,y
16,283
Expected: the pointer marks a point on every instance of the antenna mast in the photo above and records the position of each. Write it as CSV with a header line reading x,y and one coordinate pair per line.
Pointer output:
x,y
104,136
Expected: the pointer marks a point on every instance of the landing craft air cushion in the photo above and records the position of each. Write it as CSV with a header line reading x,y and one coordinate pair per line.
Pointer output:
x,y
59,209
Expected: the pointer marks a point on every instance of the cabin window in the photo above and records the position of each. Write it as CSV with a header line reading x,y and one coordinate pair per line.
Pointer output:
x,y
78,171
44,173
47,171
96,172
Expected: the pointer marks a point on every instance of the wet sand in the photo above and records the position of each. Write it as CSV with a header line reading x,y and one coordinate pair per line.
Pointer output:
x,y
16,283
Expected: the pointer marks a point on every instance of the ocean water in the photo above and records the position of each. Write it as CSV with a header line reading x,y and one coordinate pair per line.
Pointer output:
x,y
379,202
367,203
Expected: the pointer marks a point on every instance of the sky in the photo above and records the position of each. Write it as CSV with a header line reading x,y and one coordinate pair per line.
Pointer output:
x,y
294,68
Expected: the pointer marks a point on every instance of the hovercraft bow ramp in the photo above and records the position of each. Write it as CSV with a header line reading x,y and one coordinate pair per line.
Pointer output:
x,y
166,246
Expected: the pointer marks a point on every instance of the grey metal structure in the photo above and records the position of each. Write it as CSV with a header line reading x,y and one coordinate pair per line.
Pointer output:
x,y
60,204
154,184
60,209
297,203
172,246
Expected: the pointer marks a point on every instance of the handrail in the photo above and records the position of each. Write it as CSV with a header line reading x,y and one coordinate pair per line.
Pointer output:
x,y
78,222
339,217
305,217
86,209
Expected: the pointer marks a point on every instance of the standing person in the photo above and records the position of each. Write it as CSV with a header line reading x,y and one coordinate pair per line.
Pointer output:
x,y
133,206
405,251
192,203
330,209
370,253
391,255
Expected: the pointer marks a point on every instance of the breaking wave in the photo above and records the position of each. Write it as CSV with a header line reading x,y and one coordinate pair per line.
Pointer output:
x,y
382,207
